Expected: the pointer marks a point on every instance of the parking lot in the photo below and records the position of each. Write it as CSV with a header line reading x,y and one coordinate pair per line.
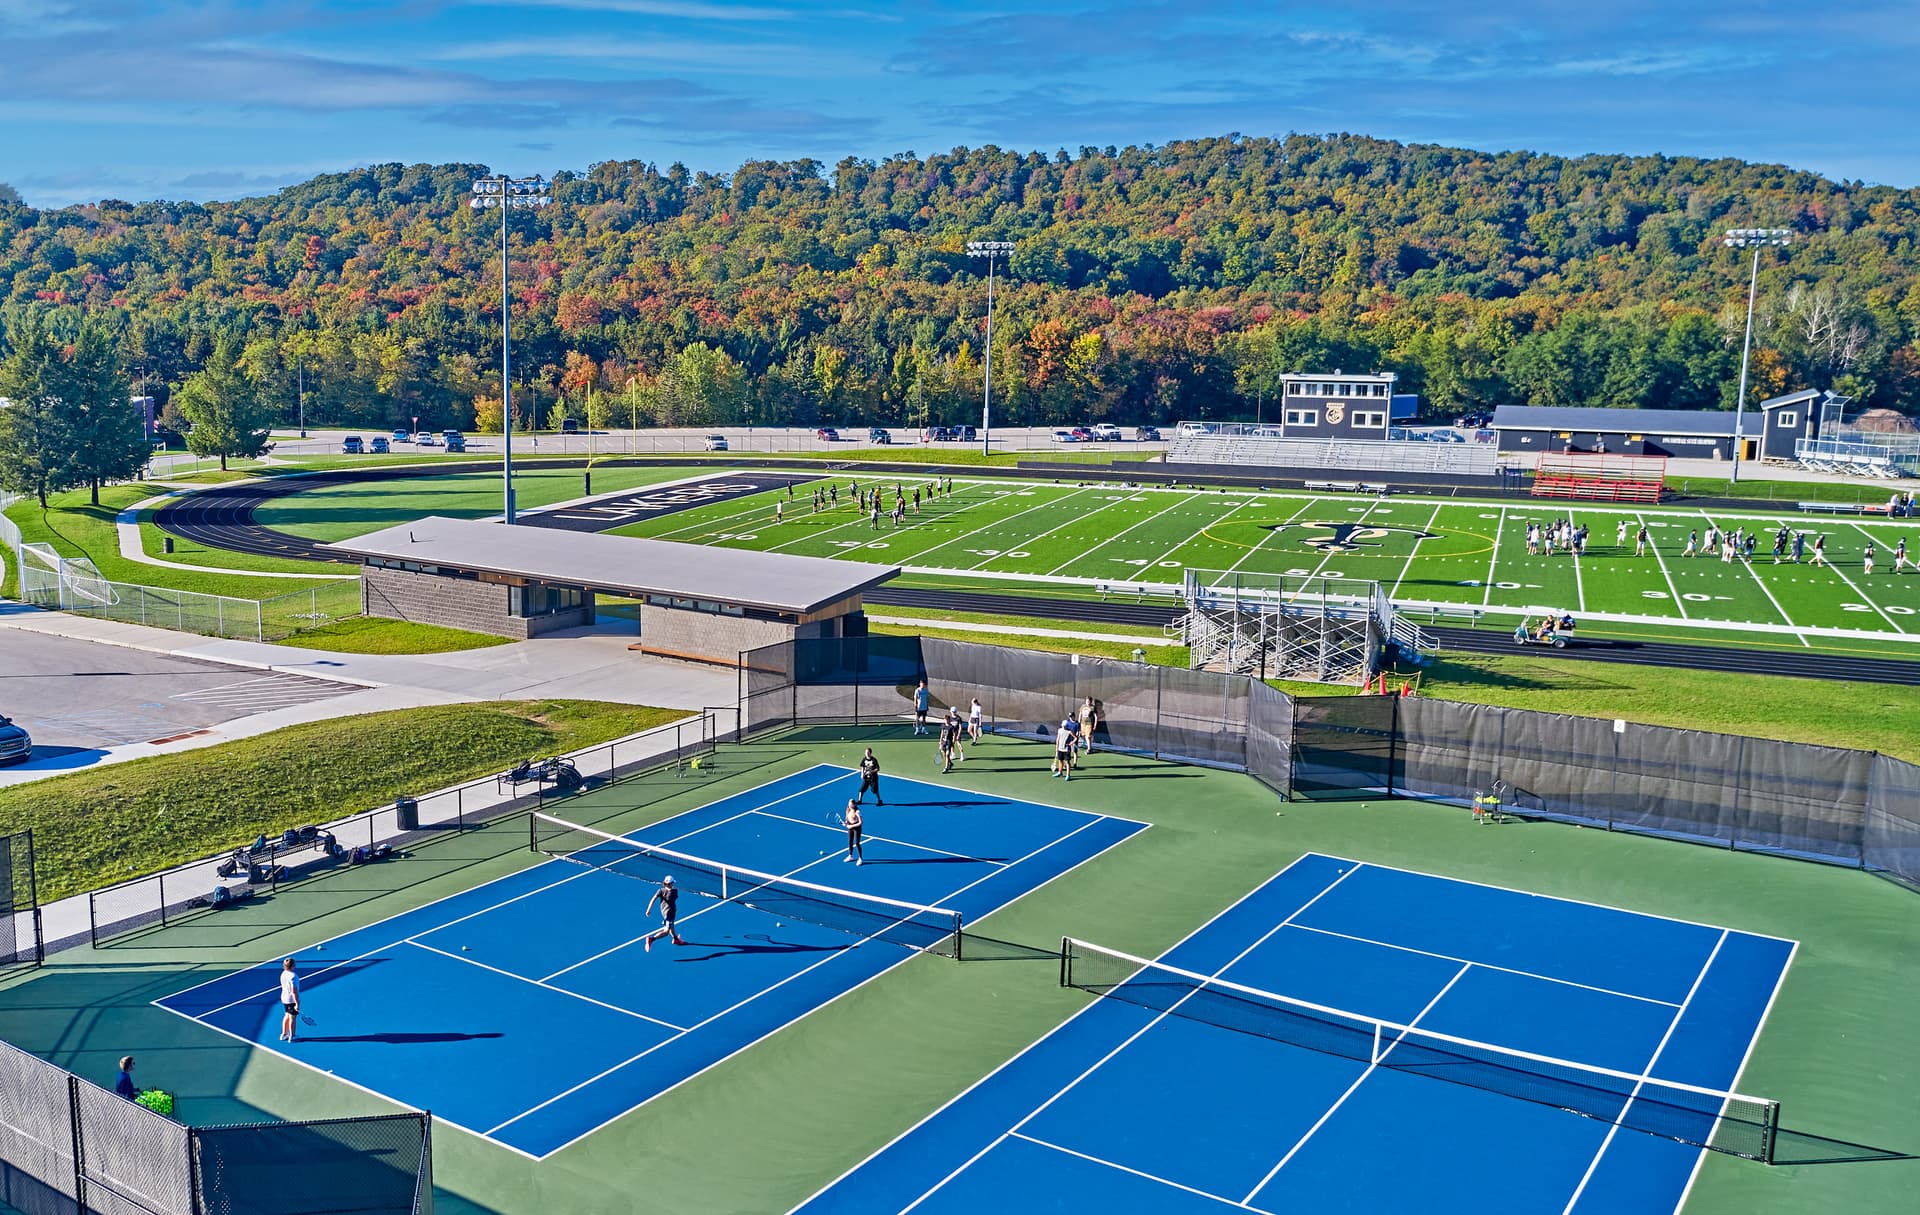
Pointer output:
x,y
79,698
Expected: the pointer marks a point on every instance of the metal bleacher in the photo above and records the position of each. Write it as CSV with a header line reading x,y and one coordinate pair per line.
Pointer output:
x,y
1223,446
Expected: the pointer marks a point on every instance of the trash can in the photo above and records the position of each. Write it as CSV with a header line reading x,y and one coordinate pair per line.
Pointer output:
x,y
407,811
166,543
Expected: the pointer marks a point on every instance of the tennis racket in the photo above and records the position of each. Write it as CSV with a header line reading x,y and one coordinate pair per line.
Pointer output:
x,y
305,1019
836,818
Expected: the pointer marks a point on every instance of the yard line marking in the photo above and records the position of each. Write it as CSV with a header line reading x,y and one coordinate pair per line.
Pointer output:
x,y
1579,587
1351,1088
1304,508
1864,597
1177,504
1271,533
1493,561
1131,1038
1646,1075
1673,589
1002,520
1877,542
884,839
1761,583
1136,1172
543,983
1434,518
1066,523
1525,974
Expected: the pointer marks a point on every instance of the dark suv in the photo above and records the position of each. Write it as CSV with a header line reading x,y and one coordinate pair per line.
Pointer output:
x,y
15,744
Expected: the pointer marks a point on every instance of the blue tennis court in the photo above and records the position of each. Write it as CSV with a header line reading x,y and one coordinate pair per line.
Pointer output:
x,y
1240,1070
455,1007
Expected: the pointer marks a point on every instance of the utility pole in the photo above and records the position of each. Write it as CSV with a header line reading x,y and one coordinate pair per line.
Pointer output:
x,y
988,249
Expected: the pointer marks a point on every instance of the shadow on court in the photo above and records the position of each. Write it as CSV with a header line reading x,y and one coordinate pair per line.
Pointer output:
x,y
398,1039
976,948
767,946
1799,1147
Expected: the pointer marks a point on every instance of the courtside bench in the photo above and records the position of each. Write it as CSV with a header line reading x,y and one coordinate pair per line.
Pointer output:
x,y
1844,508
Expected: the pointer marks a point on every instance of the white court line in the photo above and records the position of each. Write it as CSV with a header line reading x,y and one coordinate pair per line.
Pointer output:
x,y
1128,1041
1753,1040
1037,1044
463,893
1679,1014
1414,551
1215,522
908,955
1561,898
1136,1172
548,986
865,835
1372,1066
1525,974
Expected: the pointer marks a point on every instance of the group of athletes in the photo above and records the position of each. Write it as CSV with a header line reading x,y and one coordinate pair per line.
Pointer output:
x,y
868,501
1790,547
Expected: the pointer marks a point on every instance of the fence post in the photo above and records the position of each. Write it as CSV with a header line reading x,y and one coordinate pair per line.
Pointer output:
x,y
1159,680
163,899
220,616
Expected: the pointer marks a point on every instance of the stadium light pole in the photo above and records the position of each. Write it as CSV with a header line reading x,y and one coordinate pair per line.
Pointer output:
x,y
1755,239
508,194
988,249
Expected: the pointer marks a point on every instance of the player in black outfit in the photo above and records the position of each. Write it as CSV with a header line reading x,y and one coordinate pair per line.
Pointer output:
x,y
668,896
869,779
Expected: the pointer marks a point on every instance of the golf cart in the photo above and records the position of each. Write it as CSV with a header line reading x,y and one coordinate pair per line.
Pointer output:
x,y
1552,630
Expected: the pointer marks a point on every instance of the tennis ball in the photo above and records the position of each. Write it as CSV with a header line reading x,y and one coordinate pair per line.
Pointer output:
x,y
463,949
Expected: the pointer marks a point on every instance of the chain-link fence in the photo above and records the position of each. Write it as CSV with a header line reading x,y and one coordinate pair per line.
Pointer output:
x,y
69,1147
304,853
1760,795
72,584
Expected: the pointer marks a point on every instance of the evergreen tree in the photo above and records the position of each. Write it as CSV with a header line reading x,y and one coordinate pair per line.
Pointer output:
x,y
108,436
223,403
36,446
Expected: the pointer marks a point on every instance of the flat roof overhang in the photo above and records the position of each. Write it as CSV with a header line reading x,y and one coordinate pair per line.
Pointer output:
x,y
624,565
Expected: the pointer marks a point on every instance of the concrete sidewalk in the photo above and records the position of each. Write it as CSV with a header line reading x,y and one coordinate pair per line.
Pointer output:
x,y
582,664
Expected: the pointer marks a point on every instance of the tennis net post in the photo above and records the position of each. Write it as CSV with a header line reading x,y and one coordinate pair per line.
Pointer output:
x,y
937,930
1704,1117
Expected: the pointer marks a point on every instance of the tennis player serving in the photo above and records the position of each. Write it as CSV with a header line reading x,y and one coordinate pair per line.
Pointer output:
x,y
668,896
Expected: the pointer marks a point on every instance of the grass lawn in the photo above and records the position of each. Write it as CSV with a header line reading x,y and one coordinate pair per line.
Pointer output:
x,y
1874,717
75,528
95,827
1157,655
376,635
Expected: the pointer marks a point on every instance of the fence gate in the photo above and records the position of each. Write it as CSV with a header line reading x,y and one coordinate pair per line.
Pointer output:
x,y
20,936
1345,746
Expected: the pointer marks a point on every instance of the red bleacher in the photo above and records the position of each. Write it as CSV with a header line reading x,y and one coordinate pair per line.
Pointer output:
x,y
1600,478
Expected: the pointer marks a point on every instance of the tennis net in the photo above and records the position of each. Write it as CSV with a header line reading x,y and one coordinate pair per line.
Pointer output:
x,y
931,929
1709,1118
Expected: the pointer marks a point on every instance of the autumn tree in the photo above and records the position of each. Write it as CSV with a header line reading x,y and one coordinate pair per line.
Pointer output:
x,y
223,403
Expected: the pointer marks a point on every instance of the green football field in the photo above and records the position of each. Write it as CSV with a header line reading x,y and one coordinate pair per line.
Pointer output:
x,y
1444,553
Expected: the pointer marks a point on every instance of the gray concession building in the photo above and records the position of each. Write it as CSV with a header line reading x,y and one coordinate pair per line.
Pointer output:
x,y
1771,429
698,602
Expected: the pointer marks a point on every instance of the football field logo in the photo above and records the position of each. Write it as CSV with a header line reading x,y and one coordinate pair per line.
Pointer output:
x,y
1345,536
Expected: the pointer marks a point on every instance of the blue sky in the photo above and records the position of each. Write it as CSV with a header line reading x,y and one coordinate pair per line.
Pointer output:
x,y
206,99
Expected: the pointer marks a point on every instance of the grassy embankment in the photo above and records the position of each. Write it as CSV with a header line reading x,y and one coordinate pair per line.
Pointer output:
x,y
99,826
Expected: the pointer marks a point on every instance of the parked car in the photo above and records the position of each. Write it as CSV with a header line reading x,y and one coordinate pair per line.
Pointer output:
x,y
716,442
402,434
427,438
879,434
1107,432
15,744
380,446
827,434
456,441
354,445
1146,434
967,434
1065,436
570,426
936,434
1194,430
1082,435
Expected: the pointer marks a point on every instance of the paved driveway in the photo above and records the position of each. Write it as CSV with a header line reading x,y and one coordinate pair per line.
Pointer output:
x,y
78,698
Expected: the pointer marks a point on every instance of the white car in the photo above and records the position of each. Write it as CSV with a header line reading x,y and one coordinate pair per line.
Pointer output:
x,y
1065,436
716,442
1107,432
426,438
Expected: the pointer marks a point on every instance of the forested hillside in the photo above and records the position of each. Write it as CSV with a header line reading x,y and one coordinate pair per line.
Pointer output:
x,y
1149,284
